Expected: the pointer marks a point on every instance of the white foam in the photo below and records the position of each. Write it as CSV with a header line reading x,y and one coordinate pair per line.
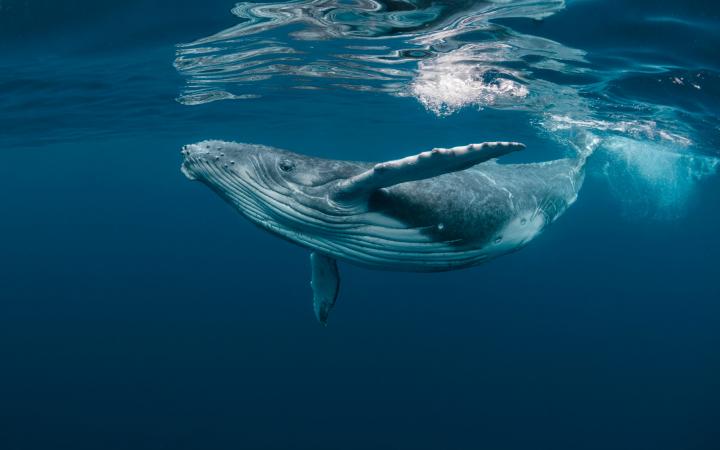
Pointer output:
x,y
447,83
653,179
641,129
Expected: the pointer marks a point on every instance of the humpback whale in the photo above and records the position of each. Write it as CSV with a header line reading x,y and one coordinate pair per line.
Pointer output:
x,y
442,209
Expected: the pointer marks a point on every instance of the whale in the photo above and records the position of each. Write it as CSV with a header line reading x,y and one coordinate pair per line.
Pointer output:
x,y
437,210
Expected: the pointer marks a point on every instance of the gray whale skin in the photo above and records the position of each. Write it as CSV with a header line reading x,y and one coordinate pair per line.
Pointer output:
x,y
441,209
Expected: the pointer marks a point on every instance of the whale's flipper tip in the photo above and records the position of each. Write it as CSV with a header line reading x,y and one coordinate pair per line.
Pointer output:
x,y
424,165
325,284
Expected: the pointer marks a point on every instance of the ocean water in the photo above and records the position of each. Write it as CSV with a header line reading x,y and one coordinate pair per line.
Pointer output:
x,y
138,311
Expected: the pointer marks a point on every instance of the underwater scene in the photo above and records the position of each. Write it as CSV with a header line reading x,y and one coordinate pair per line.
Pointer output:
x,y
360,224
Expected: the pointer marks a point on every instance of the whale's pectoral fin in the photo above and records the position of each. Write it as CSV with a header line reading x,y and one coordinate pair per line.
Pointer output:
x,y
325,284
427,164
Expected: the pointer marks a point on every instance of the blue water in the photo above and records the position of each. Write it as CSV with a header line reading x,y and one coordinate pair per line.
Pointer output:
x,y
138,311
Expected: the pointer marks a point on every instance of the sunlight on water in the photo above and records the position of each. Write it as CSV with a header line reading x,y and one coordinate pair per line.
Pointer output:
x,y
368,45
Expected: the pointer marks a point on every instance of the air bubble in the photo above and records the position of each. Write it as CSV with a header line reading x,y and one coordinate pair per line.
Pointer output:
x,y
498,239
523,221
440,226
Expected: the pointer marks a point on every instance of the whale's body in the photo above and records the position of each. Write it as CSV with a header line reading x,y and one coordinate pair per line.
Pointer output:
x,y
440,210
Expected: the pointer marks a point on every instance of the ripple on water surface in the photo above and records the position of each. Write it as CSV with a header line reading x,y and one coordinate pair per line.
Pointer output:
x,y
454,55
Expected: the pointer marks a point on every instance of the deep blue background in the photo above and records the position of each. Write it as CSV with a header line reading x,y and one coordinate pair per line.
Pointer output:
x,y
137,311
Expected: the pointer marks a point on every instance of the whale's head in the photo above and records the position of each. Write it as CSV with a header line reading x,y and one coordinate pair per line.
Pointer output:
x,y
282,191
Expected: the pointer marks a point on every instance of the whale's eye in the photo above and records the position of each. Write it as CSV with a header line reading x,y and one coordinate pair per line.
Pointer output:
x,y
286,165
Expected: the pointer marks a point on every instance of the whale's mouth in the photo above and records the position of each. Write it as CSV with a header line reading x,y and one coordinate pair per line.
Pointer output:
x,y
185,166
187,171
220,166
193,155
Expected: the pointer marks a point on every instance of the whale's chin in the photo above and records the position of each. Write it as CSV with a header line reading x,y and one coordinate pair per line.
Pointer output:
x,y
187,173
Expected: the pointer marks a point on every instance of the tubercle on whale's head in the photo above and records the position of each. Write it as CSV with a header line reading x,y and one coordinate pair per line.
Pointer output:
x,y
205,160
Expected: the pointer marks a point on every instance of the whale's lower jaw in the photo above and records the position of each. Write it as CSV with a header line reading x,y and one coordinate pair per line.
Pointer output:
x,y
188,173
382,245
373,240
409,250
436,258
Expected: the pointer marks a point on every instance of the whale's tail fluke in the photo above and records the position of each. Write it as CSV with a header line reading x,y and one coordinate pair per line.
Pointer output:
x,y
584,144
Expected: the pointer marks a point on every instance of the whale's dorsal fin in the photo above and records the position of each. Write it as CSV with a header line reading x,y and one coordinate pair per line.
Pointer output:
x,y
325,283
427,164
